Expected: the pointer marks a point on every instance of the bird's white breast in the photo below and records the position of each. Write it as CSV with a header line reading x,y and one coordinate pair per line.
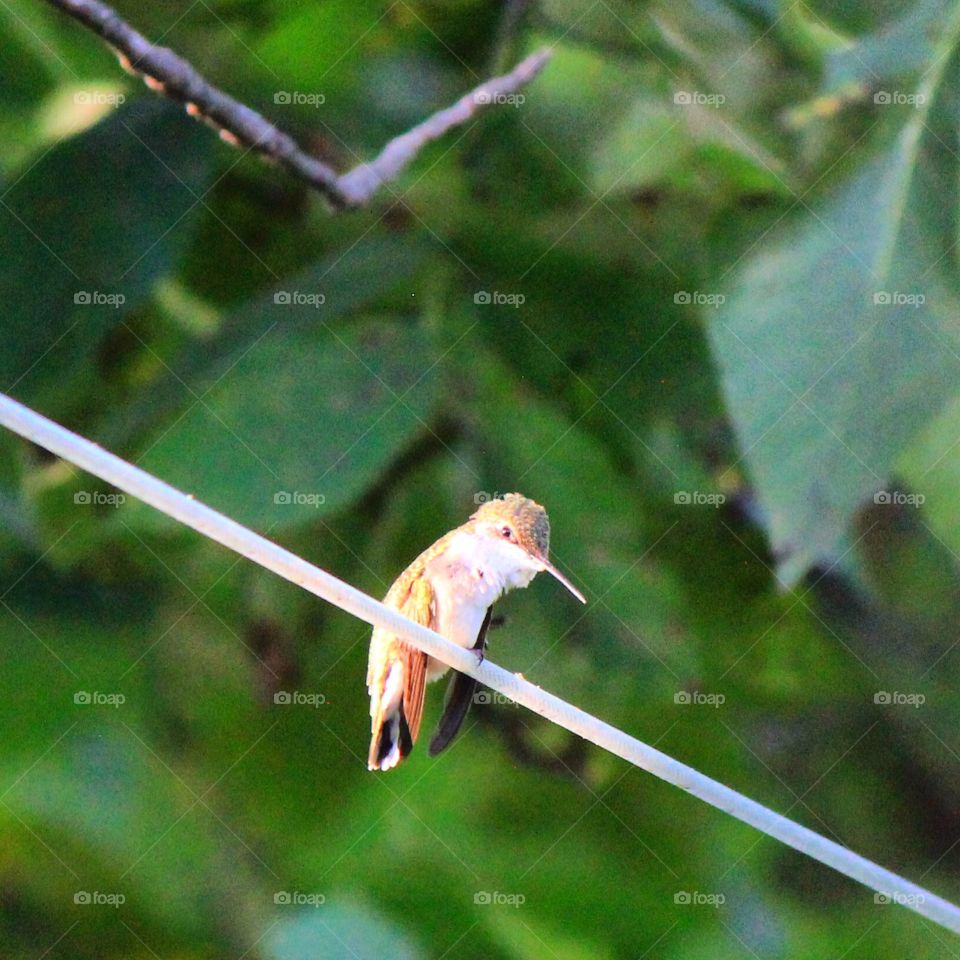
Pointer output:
x,y
467,577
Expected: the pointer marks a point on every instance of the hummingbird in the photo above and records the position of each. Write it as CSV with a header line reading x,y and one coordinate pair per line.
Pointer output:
x,y
451,588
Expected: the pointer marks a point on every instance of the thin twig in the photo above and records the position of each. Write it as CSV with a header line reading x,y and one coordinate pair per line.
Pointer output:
x,y
169,74
366,179
88,456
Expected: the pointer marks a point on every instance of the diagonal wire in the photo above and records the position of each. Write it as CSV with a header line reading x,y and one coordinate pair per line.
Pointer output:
x,y
137,483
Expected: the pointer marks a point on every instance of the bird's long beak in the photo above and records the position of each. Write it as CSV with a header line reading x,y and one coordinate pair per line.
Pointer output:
x,y
554,572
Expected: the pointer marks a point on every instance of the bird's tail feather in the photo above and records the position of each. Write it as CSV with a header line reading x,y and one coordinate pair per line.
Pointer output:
x,y
390,741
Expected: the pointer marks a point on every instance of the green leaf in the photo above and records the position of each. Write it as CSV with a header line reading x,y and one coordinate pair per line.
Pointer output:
x,y
930,468
643,148
815,318
904,46
347,280
86,231
305,53
302,423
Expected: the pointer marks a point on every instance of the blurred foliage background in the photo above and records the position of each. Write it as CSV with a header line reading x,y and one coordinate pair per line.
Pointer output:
x,y
696,293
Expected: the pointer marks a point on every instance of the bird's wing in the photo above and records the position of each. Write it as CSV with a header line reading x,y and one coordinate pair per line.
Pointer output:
x,y
419,606
459,697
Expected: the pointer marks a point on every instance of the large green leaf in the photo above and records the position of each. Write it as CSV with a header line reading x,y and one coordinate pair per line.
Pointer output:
x,y
80,770
905,44
838,337
348,280
302,423
930,468
86,231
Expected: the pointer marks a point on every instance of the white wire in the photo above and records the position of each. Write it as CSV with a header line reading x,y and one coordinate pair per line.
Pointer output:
x,y
137,483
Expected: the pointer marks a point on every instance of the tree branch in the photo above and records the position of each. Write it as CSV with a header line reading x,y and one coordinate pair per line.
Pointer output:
x,y
169,74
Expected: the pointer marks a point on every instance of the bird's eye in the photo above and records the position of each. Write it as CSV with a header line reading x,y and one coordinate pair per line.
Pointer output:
x,y
507,532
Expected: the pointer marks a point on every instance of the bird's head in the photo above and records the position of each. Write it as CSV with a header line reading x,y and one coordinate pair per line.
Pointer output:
x,y
522,527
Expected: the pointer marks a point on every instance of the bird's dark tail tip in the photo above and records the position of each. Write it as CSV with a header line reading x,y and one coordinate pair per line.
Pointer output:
x,y
391,743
